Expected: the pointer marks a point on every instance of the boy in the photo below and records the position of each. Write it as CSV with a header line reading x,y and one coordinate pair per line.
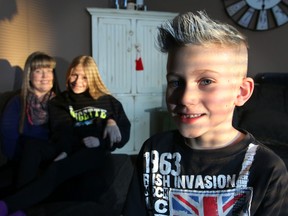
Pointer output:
x,y
206,167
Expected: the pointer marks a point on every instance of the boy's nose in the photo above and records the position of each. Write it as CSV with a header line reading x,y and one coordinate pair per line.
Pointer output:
x,y
189,96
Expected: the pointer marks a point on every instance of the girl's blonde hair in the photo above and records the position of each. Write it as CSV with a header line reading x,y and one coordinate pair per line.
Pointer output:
x,y
96,87
34,61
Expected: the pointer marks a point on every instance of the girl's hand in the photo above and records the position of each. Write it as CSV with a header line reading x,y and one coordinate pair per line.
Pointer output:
x,y
91,142
112,130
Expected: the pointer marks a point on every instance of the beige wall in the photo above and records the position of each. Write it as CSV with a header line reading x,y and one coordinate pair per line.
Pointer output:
x,y
62,29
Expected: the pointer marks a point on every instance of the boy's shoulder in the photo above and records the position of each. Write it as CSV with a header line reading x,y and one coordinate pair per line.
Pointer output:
x,y
265,157
266,154
164,140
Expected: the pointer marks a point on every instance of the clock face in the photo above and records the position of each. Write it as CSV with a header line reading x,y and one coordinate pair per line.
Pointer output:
x,y
258,15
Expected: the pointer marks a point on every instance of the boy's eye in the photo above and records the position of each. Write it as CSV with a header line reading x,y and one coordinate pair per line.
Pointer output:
x,y
205,82
175,83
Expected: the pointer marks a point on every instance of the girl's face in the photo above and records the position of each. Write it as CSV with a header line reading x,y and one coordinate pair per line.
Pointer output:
x,y
42,80
78,80
202,89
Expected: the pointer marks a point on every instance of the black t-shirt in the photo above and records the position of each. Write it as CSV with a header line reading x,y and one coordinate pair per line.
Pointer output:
x,y
173,179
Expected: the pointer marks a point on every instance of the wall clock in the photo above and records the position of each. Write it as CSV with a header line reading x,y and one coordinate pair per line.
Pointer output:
x,y
258,15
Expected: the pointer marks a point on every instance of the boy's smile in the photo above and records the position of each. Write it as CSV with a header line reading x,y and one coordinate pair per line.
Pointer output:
x,y
203,89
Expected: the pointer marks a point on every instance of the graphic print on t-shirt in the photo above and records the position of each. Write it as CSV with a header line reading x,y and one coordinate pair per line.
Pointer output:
x,y
86,115
210,203
169,191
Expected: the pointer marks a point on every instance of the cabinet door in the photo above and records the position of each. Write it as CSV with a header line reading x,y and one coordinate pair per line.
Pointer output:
x,y
128,105
140,111
143,124
115,39
152,78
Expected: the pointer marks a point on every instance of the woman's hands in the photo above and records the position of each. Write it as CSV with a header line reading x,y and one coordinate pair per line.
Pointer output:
x,y
112,130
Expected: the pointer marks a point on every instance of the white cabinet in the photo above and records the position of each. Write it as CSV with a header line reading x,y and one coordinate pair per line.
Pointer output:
x,y
116,36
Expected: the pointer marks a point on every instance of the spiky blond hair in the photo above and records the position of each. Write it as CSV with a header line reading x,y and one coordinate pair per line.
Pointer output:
x,y
199,29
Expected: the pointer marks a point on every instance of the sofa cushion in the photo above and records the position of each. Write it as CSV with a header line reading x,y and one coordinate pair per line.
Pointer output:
x,y
277,78
266,124
4,98
269,97
265,113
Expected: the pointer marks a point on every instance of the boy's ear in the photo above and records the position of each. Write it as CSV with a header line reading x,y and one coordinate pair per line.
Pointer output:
x,y
245,91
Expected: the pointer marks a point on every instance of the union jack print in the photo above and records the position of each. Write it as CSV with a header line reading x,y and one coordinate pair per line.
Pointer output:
x,y
210,203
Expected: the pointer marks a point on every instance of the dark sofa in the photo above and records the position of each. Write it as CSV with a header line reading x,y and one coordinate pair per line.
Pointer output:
x,y
265,115
78,195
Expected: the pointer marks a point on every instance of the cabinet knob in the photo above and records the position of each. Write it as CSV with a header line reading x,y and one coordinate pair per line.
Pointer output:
x,y
138,47
131,33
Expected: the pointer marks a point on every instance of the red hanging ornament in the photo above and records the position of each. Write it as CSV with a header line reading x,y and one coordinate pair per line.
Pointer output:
x,y
139,64
138,61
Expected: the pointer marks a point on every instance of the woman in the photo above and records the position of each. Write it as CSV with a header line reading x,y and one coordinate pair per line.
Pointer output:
x,y
26,114
87,124
24,124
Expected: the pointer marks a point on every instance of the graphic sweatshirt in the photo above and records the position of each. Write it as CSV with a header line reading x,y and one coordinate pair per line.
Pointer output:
x,y
84,116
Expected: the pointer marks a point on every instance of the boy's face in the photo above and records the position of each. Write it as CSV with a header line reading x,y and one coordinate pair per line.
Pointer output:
x,y
203,86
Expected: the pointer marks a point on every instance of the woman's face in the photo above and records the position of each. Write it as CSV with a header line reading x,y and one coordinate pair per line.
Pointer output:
x,y
78,80
42,80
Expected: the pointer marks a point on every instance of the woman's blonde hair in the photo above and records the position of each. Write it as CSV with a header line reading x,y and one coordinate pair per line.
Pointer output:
x,y
96,87
34,61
